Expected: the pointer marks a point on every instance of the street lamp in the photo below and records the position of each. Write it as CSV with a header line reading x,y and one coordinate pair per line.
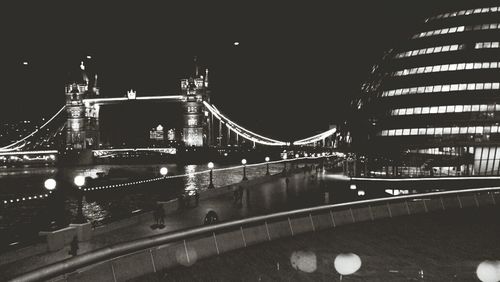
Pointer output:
x,y
79,181
211,167
164,171
267,165
50,184
54,204
244,163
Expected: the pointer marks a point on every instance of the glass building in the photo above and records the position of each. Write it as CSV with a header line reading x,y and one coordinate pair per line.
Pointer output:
x,y
432,106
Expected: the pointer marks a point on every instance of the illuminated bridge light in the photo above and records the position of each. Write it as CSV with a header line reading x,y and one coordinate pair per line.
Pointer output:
x,y
254,137
11,146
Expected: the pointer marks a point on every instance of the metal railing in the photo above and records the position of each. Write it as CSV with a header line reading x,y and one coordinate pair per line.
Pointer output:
x,y
121,249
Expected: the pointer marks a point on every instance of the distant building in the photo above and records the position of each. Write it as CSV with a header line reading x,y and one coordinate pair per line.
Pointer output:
x,y
432,105
171,134
195,91
157,133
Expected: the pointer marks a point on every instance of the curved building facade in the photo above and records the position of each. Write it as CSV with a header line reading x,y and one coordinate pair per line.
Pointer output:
x,y
432,106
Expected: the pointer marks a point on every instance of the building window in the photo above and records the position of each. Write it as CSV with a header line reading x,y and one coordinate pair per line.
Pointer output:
x,y
456,30
438,131
431,50
443,88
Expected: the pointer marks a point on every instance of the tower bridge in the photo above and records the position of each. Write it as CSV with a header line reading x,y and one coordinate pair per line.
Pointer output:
x,y
203,124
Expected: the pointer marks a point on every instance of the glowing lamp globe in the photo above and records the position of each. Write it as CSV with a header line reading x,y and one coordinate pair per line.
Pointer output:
x,y
186,256
347,264
488,271
243,161
305,154
296,155
50,184
352,187
79,180
163,171
210,165
267,159
305,261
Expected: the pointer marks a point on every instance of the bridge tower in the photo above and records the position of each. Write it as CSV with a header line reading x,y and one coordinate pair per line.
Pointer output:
x,y
197,124
82,126
92,129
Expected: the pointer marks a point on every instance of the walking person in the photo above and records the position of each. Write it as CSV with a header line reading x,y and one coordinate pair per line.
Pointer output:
x,y
73,251
156,216
236,194
240,194
247,197
161,216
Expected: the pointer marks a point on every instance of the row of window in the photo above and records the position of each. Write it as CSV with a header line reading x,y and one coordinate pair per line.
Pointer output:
x,y
443,88
448,67
446,48
457,29
487,45
465,13
431,50
448,151
438,131
439,31
445,109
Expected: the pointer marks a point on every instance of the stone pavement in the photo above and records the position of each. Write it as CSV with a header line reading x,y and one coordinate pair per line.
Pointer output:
x,y
275,195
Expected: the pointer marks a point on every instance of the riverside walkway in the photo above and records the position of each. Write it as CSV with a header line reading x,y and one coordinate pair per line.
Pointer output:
x,y
441,246
302,190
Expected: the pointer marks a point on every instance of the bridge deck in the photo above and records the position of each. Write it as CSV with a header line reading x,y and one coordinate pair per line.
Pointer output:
x,y
101,101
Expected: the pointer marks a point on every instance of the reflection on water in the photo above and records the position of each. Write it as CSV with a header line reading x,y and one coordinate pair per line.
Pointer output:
x,y
94,210
191,180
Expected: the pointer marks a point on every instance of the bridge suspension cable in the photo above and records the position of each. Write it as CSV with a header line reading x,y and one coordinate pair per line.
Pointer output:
x,y
315,138
245,133
252,136
12,146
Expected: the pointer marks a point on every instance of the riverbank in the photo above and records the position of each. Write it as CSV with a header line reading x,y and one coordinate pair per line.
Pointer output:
x,y
264,195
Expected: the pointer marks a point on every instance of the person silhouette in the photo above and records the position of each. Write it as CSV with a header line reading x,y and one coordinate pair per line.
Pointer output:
x,y
211,218
73,251
161,216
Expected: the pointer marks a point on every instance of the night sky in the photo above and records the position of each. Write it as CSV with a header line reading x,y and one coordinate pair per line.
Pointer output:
x,y
293,73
